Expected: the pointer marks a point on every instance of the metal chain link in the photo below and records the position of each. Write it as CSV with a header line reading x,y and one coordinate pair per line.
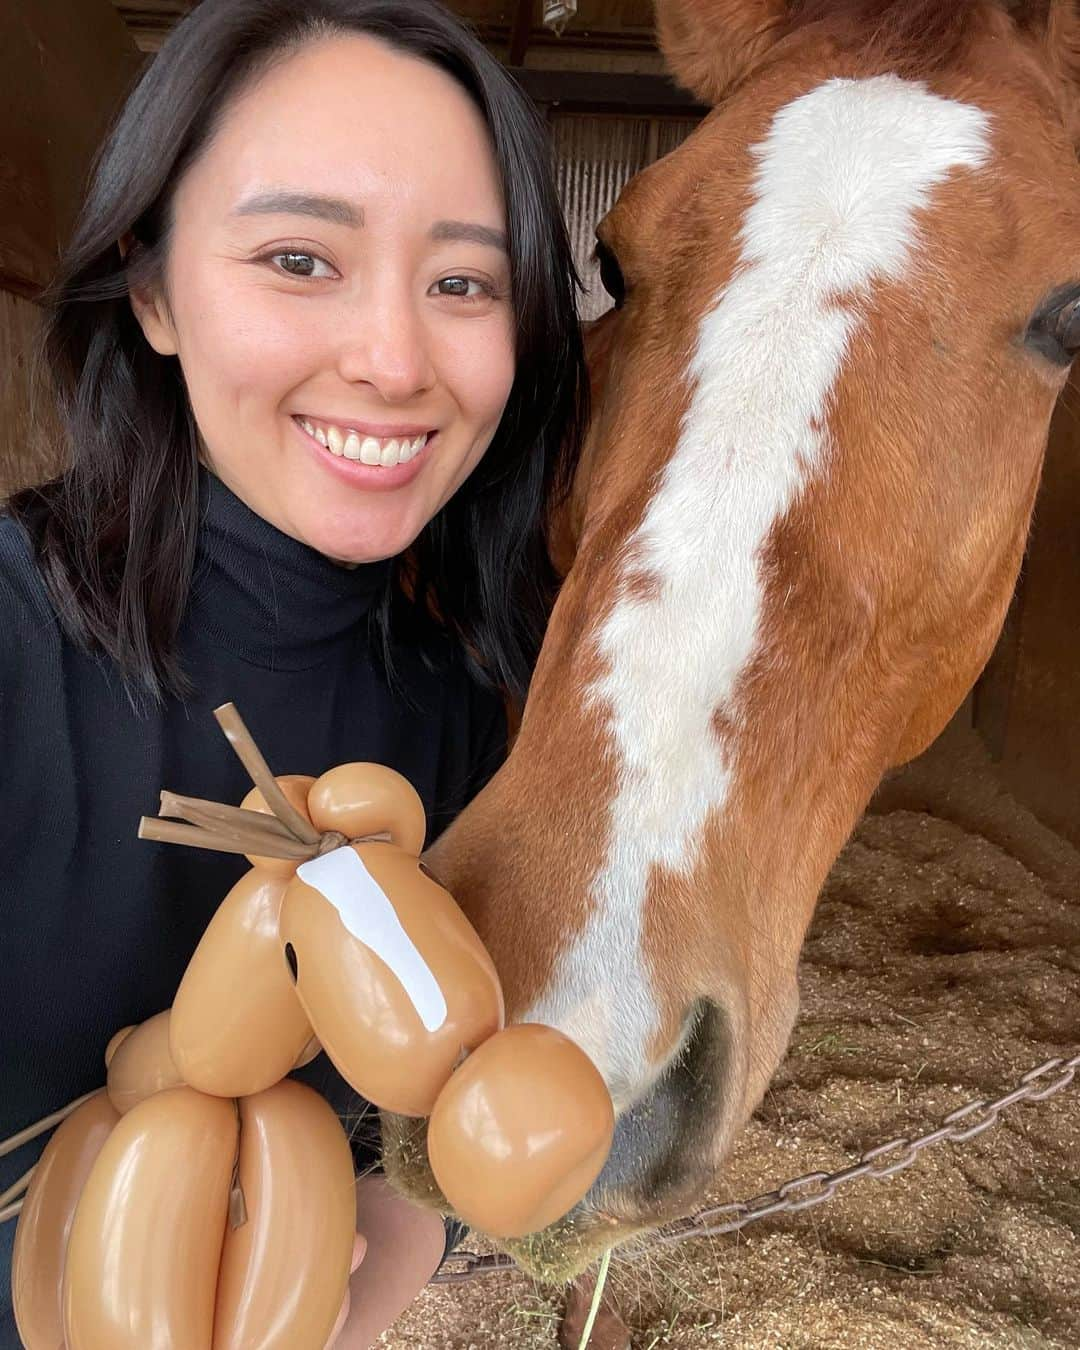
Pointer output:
x,y
965,1123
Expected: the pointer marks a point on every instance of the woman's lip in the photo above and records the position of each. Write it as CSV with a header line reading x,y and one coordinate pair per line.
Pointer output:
x,y
369,477
380,430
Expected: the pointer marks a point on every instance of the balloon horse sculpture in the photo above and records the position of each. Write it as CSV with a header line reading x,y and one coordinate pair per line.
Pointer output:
x,y
203,1200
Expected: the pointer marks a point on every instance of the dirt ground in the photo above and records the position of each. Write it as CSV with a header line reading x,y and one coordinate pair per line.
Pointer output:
x,y
943,963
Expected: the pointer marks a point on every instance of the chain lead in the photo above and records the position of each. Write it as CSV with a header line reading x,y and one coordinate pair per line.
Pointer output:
x,y
800,1193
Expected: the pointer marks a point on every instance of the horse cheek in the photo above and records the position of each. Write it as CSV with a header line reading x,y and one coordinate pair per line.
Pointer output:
x,y
393,977
237,1026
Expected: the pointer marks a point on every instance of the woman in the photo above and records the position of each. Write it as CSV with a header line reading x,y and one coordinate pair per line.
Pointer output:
x,y
315,347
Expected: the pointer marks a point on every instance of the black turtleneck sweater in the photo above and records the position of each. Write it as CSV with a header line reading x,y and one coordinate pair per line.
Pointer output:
x,y
96,926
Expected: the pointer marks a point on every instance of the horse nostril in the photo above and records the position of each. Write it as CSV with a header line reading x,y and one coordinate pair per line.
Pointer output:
x,y
663,1140
290,957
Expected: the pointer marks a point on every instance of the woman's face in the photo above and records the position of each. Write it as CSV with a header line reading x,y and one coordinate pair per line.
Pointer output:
x,y
337,290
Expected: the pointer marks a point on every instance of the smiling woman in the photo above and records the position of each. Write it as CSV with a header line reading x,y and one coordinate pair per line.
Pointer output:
x,y
315,347
351,226
312,280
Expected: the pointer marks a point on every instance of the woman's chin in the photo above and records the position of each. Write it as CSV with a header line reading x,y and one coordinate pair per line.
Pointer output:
x,y
354,545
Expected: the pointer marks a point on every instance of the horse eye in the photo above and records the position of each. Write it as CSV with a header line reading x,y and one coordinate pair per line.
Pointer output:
x,y
611,277
1054,330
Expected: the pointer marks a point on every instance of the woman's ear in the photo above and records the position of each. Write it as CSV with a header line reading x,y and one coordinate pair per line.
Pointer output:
x,y
151,310
148,304
709,45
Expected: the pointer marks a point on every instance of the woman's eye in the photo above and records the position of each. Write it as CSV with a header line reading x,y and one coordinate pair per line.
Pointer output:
x,y
466,288
298,264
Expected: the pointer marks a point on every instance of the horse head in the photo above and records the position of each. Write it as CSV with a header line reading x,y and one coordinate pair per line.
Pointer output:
x,y
846,306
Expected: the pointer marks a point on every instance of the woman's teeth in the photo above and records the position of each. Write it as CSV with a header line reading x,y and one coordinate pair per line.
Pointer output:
x,y
366,449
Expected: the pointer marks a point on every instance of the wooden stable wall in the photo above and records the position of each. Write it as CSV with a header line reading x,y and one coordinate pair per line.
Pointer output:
x,y
64,66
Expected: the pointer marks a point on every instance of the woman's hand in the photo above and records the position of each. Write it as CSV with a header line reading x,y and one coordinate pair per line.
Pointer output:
x,y
407,1244
359,1248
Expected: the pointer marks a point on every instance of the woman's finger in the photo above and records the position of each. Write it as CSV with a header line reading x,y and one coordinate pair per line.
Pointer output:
x,y
359,1248
346,1304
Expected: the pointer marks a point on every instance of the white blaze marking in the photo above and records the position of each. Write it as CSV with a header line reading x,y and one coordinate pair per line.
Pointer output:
x,y
841,177
369,916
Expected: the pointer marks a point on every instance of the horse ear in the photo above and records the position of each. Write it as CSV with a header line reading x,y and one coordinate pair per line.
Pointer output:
x,y
709,45
1054,25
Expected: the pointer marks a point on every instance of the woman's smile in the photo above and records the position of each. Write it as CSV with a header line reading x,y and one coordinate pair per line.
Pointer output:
x,y
369,456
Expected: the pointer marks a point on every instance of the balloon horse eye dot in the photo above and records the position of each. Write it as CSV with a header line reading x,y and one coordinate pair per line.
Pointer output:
x,y
290,957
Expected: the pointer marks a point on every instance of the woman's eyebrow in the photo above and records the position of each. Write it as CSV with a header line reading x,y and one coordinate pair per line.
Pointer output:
x,y
463,231
281,202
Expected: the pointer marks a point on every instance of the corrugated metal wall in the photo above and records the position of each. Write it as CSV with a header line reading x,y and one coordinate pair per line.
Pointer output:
x,y
595,156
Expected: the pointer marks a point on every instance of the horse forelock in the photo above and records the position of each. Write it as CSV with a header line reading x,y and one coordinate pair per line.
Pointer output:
x,y
918,38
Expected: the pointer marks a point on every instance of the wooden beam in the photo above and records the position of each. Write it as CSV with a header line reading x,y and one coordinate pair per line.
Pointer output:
x,y
151,20
600,40
521,31
606,91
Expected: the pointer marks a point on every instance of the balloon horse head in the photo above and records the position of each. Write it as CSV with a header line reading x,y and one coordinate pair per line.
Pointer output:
x,y
206,1193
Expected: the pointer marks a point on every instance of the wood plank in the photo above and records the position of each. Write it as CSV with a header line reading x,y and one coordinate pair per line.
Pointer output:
x,y
604,91
150,20
599,25
524,16
64,65
593,16
30,450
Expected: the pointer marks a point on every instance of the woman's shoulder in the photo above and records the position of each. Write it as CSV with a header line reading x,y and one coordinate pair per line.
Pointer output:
x,y
24,602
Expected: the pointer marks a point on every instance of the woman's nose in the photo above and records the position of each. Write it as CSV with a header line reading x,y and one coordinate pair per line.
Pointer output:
x,y
385,344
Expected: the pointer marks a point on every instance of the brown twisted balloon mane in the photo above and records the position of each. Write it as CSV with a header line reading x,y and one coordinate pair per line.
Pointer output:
x,y
232,829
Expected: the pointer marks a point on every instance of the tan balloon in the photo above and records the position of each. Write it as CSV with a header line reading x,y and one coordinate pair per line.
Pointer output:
x,y
237,1025
295,787
141,1064
364,799
41,1238
521,1131
310,1051
365,1017
115,1042
145,1246
285,1271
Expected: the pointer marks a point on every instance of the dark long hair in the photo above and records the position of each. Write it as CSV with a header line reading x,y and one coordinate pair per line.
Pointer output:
x,y
115,534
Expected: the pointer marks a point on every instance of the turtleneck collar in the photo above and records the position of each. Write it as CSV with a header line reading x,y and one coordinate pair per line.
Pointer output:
x,y
267,597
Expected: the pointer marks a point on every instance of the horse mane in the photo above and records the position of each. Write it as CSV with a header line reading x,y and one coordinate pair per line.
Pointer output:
x,y
920,37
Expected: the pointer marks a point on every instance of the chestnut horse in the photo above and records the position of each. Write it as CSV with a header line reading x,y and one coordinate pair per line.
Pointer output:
x,y
847,305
